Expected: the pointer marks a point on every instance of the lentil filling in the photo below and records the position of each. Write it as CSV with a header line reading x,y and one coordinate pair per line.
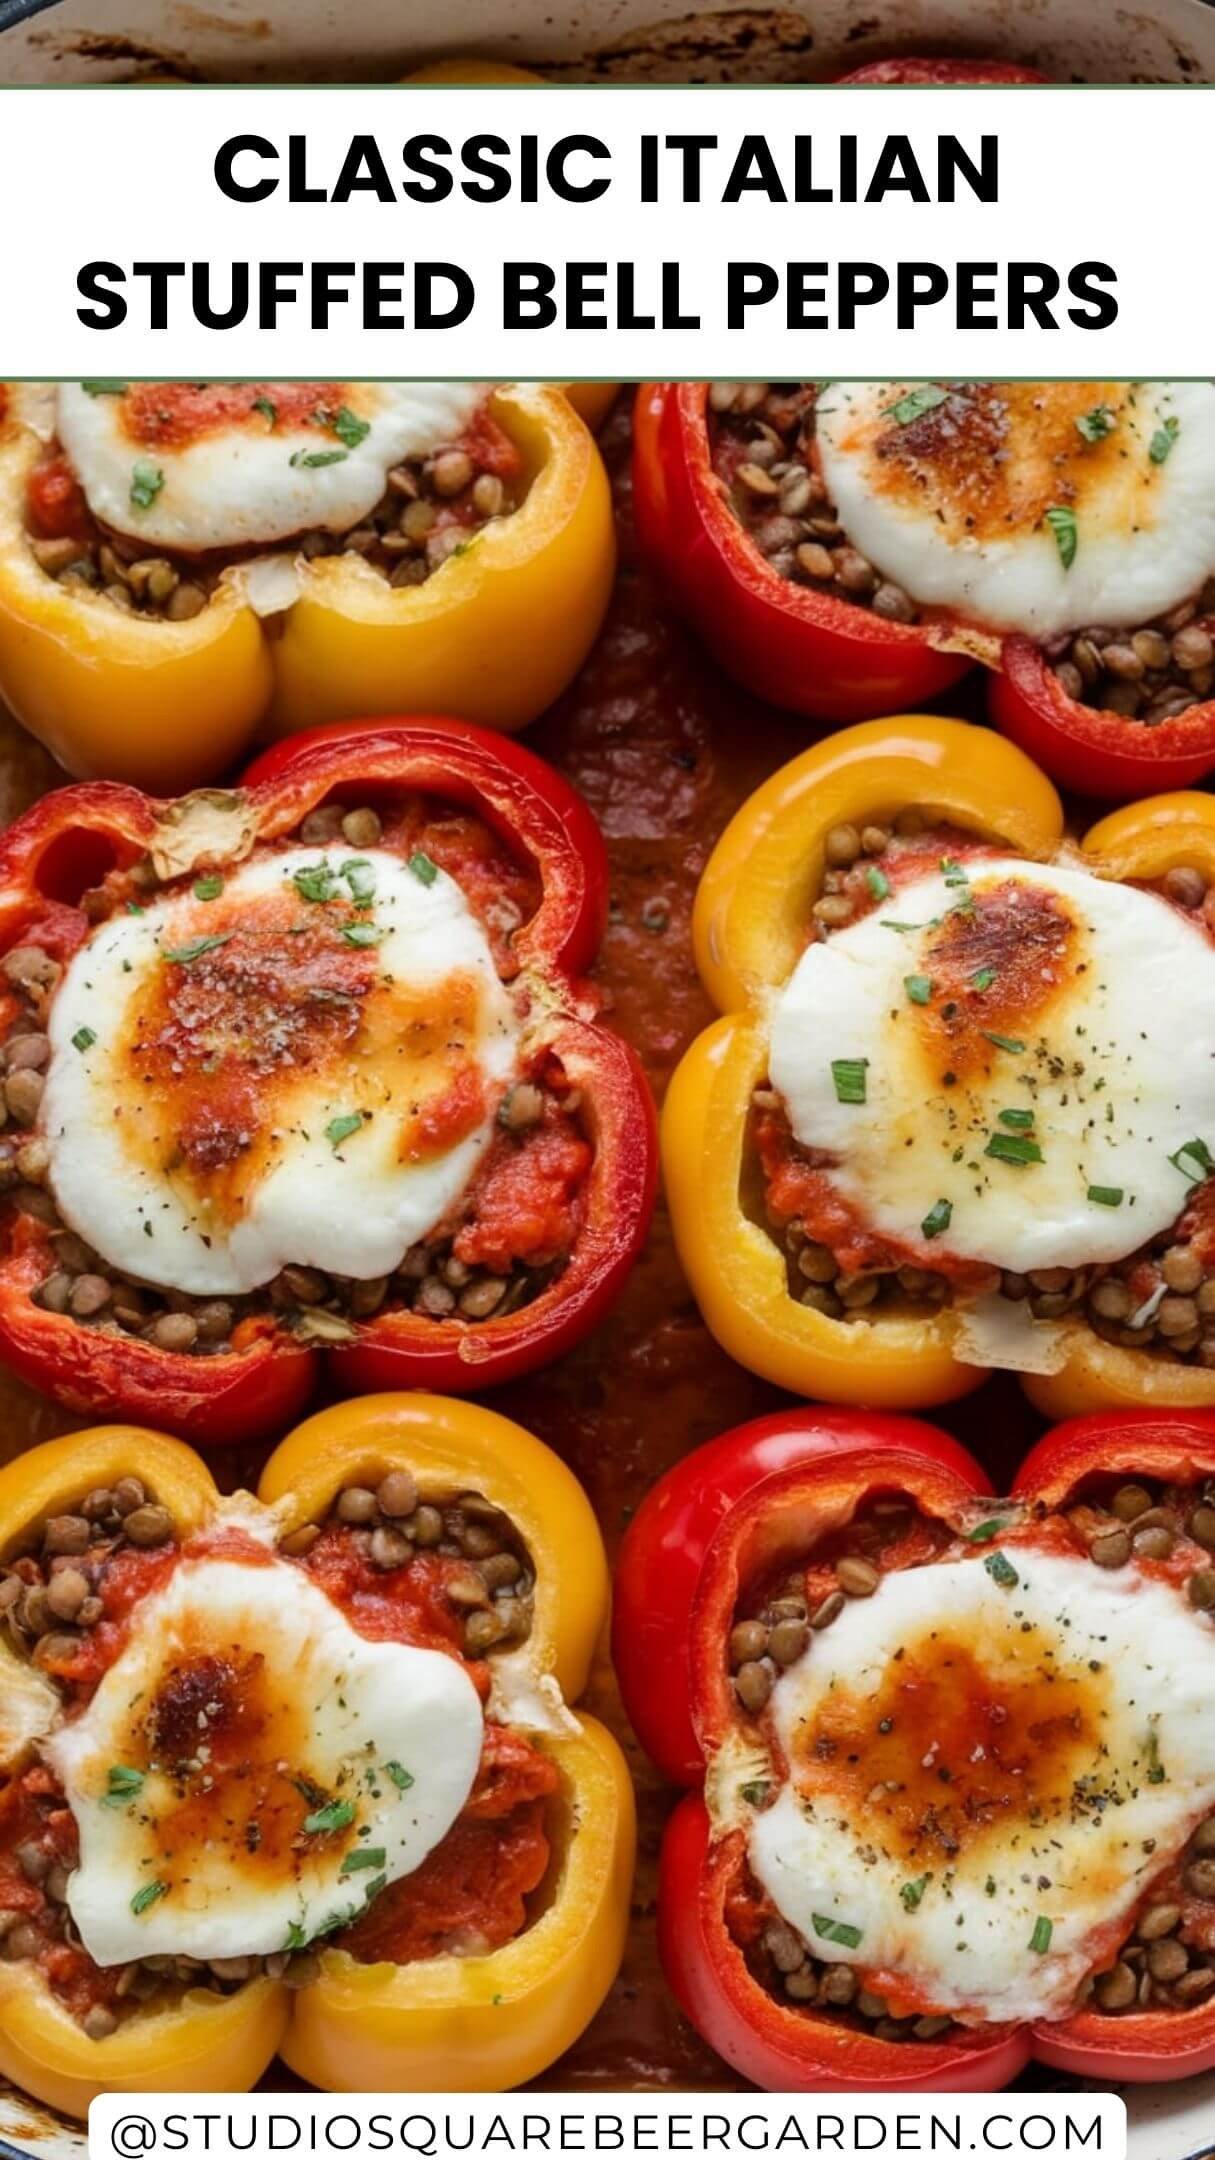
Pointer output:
x,y
443,1572
433,507
512,1232
1160,1297
761,438
1167,1958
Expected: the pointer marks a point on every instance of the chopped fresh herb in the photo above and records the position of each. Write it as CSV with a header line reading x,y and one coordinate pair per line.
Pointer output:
x,y
84,1038
267,408
1194,1161
147,481
348,427
1001,1570
1097,424
297,1938
1043,1930
984,1532
184,955
208,888
401,1777
1011,1043
361,933
915,404
133,908
1017,1120
104,386
339,1129
1163,440
335,1815
1156,1772
1013,1148
122,1786
1106,1195
1062,522
918,988
952,872
938,1218
849,1077
423,869
364,1856
756,1792
878,882
148,1896
315,882
840,1931
374,1888
912,1892
983,978
905,928
360,877
314,458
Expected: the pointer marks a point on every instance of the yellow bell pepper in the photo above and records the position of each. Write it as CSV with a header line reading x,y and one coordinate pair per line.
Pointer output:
x,y
492,636
459,2024
749,929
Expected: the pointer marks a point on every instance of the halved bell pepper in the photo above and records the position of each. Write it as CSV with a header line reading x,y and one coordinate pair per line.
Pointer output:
x,y
803,649
472,2023
493,635
1095,752
70,840
733,1510
749,929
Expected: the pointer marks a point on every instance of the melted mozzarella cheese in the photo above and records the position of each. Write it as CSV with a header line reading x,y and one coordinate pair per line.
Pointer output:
x,y
246,480
1098,1064
971,1762
234,1086
284,1768
953,505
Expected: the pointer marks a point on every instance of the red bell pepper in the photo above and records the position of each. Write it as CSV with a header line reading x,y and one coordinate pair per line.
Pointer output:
x,y
804,650
72,839
731,1511
1094,752
942,73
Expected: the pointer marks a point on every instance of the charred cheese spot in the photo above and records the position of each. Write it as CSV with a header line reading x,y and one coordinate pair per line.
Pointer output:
x,y
987,1744
956,504
252,1728
1028,940
278,1073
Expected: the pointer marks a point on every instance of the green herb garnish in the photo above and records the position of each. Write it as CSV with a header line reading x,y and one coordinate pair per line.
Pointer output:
x,y
849,1077
315,882
401,1777
1017,1120
122,1786
1106,1195
364,1856
361,933
185,955
297,1938
1011,1043
756,1792
878,882
267,408
104,386
348,427
984,1532
1043,1930
983,978
147,481
208,888
337,1130
1194,1161
1062,522
1013,1148
360,877
314,458
915,404
918,988
912,1892
335,1815
1156,1773
1163,440
1001,1570
938,1218
148,1896
839,1931
1097,424
84,1038
423,869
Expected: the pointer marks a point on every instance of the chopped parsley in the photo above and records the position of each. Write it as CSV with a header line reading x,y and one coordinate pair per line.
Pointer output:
x,y
185,955
315,882
1013,1148
983,978
1097,424
1043,1930
148,1896
984,1532
849,1077
314,458
912,1892
208,888
337,1130
267,408
401,1777
122,1786
1062,522
423,869
335,1815
878,882
348,427
1001,1570
1163,440
916,403
918,988
938,1218
297,1938
364,1856
84,1038
361,933
147,481
1106,1195
1194,1161
104,386
838,1931
1014,1046
359,875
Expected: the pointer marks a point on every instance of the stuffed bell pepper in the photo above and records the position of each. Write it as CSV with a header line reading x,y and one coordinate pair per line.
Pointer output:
x,y
953,1758
849,552
960,1112
183,563
309,1068
296,1773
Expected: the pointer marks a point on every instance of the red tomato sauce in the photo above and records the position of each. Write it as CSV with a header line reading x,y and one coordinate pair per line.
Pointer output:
x,y
55,501
527,1201
172,415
